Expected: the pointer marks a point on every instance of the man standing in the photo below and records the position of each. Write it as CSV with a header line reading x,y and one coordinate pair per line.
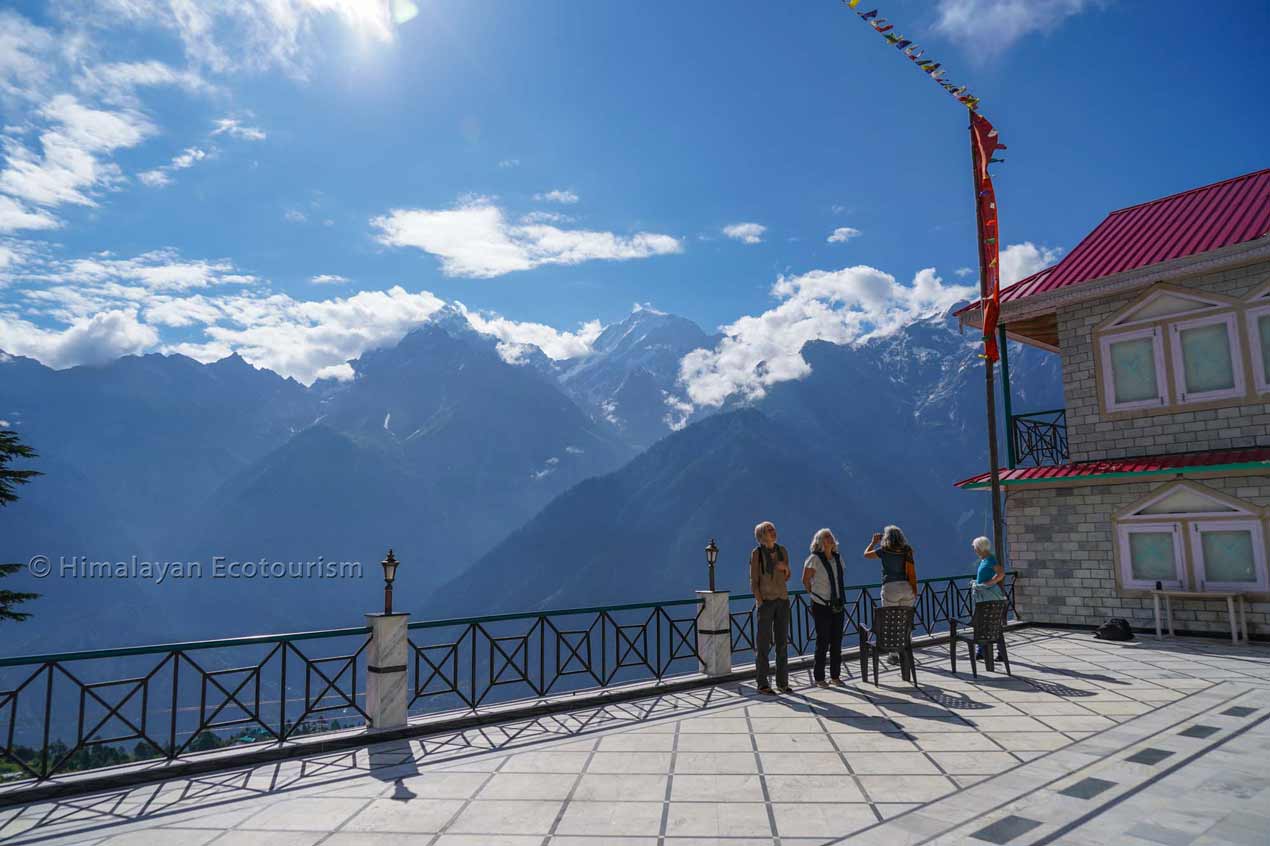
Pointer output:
x,y
769,571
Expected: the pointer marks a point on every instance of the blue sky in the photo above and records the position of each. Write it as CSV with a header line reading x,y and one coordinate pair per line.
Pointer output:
x,y
175,181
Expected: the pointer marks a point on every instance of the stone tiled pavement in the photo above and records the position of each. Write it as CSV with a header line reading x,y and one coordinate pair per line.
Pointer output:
x,y
1088,743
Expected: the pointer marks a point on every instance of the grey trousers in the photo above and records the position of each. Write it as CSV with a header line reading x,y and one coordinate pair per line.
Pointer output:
x,y
772,625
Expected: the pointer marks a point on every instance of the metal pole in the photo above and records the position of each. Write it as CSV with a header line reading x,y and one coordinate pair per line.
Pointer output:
x,y
1011,453
990,391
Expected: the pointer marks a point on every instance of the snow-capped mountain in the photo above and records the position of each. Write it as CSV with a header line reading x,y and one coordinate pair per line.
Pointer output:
x,y
632,371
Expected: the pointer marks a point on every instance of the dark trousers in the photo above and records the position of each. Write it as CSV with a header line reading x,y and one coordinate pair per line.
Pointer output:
x,y
772,625
828,639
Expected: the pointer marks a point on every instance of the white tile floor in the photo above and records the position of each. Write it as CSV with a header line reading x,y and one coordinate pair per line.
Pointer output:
x,y
997,760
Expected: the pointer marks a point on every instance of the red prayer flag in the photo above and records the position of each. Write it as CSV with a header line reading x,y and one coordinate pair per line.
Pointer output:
x,y
985,142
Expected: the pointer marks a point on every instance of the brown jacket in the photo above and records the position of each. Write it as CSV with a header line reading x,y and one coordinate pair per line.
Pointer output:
x,y
769,585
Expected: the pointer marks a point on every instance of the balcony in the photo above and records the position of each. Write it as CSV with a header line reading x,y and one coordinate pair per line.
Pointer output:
x,y
1038,439
1088,742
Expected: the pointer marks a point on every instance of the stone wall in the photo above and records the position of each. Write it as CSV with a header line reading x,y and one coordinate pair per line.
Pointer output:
x,y
1090,437
1061,541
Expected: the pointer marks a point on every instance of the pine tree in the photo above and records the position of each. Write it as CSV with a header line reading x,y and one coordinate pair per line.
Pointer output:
x,y
11,448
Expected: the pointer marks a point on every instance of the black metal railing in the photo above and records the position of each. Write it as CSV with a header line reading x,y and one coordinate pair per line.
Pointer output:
x,y
466,663
1039,439
85,710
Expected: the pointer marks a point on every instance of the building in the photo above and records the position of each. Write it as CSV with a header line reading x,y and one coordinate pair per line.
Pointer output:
x,y
1158,469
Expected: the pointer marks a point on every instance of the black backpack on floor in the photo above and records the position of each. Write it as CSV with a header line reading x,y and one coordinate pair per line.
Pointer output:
x,y
1116,628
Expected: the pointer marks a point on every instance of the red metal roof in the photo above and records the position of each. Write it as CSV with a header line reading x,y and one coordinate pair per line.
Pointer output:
x,y
1196,221
1184,462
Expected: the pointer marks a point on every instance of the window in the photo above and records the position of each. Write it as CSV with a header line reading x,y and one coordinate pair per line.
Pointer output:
x,y
1133,370
1223,537
1206,360
1229,555
1259,332
1150,553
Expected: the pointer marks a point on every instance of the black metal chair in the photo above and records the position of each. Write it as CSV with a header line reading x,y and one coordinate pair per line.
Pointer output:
x,y
892,632
987,629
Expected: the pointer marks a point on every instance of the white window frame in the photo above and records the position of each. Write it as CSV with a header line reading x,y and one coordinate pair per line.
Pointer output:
x,y
1236,359
1124,530
1108,372
1261,379
1258,553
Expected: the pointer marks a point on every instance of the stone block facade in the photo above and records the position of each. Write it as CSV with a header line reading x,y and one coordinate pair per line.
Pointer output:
x,y
1061,541
1091,436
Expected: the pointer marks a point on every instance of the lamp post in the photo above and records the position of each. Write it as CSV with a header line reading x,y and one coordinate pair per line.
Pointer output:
x,y
712,555
390,573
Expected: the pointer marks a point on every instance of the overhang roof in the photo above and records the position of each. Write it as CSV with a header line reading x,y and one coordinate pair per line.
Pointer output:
x,y
1197,221
1177,464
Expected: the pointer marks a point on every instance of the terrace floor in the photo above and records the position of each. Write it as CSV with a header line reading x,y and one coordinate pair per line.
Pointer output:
x,y
1089,743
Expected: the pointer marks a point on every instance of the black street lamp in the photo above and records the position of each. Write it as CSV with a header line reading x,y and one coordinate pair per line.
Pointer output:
x,y
712,555
390,573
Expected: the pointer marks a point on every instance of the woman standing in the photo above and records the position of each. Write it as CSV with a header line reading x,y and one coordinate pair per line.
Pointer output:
x,y
899,571
823,579
989,577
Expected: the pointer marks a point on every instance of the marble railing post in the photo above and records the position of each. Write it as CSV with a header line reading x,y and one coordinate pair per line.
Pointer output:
x,y
386,656
714,633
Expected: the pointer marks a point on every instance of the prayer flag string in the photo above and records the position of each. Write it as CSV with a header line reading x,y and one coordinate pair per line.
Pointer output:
x,y
915,54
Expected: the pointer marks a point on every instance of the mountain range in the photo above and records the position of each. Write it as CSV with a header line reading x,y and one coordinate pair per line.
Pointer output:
x,y
501,484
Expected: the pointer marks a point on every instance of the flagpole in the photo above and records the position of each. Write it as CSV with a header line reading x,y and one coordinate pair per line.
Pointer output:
x,y
991,399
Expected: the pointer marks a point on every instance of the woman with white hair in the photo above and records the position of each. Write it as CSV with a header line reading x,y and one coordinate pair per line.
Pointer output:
x,y
823,579
989,576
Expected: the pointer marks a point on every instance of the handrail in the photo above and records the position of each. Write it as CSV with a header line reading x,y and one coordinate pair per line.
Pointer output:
x,y
1037,413
183,646
534,615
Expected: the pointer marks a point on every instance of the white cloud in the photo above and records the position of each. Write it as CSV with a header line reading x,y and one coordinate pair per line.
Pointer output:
x,y
993,26
25,67
117,81
236,129
476,240
69,167
161,176
308,340
509,163
157,178
90,340
841,306
545,217
567,198
1019,261
842,234
237,35
963,272
15,216
515,339
328,279
102,278
746,233
294,216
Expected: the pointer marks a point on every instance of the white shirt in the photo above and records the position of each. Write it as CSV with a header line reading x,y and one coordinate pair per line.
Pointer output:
x,y
821,589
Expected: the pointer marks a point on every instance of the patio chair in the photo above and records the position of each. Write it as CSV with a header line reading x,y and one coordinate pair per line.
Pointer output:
x,y
892,632
987,629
